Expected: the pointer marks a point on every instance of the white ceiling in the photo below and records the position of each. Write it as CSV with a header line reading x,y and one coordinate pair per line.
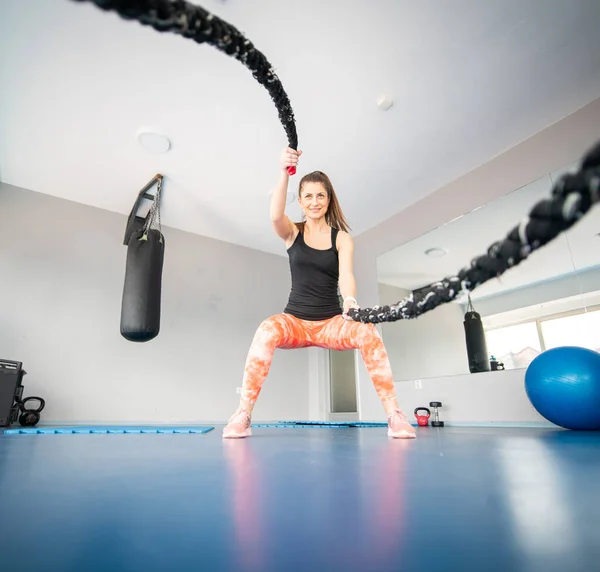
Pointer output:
x,y
470,235
469,79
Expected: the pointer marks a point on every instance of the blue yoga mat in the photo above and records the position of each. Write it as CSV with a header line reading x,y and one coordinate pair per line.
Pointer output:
x,y
109,429
279,425
323,424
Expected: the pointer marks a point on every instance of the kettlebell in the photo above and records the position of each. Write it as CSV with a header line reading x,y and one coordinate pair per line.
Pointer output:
x,y
422,420
30,417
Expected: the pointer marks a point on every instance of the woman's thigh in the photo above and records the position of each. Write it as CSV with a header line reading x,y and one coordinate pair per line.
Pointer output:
x,y
340,334
290,332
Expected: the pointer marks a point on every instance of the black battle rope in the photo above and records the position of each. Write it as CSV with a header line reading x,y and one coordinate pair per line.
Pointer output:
x,y
195,23
572,197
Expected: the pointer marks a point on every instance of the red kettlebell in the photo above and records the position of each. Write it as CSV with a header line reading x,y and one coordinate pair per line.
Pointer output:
x,y
422,420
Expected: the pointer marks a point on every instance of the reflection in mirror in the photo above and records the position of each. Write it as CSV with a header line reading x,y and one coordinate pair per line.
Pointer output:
x,y
580,324
548,300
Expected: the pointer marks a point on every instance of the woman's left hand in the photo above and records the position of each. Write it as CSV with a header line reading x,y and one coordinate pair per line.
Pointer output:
x,y
348,304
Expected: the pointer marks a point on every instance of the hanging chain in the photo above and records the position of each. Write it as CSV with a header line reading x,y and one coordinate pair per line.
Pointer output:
x,y
470,307
154,213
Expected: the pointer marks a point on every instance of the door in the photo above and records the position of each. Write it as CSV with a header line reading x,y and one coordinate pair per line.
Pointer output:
x,y
342,381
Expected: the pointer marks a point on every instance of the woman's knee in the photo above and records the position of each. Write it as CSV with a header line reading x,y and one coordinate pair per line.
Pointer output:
x,y
366,332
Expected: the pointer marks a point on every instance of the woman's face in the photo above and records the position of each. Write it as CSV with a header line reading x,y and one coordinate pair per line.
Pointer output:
x,y
313,200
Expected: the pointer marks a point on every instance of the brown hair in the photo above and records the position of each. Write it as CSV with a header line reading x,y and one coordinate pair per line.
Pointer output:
x,y
334,216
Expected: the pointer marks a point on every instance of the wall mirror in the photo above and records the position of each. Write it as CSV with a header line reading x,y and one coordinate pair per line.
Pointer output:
x,y
551,299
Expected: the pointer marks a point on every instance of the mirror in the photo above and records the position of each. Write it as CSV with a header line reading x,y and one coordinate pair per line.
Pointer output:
x,y
550,299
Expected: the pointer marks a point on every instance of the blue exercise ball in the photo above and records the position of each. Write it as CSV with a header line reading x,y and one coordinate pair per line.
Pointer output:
x,y
563,384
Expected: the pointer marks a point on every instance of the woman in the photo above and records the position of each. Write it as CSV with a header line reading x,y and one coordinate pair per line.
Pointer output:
x,y
321,259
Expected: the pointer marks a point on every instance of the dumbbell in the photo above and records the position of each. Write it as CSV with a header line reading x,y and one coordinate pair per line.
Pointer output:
x,y
436,418
422,420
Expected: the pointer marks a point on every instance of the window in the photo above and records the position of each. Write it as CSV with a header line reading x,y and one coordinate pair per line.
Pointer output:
x,y
517,345
514,346
581,329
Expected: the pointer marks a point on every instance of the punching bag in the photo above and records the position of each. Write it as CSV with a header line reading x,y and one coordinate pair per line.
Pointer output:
x,y
140,308
476,345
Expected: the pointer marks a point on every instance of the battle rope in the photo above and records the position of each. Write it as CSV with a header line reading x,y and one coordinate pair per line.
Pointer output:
x,y
572,197
195,23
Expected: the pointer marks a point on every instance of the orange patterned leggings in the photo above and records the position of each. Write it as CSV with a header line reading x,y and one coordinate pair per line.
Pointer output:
x,y
288,332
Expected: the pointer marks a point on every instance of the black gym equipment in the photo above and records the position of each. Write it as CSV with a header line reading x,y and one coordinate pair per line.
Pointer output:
x,y
142,288
11,393
436,418
477,352
11,389
30,417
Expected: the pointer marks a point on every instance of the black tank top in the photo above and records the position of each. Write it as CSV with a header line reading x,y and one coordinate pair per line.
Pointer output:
x,y
315,273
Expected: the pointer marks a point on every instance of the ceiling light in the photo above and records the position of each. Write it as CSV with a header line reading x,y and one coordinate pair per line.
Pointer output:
x,y
436,252
153,142
384,102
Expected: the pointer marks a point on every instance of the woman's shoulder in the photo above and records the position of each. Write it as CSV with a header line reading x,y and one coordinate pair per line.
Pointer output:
x,y
343,239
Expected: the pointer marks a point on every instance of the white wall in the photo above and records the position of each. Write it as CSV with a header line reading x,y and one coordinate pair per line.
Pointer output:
x,y
62,268
560,144
481,398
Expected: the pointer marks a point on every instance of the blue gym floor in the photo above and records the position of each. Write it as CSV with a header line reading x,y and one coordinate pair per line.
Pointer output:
x,y
322,499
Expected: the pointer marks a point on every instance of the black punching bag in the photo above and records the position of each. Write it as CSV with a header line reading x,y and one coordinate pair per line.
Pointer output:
x,y
140,309
476,345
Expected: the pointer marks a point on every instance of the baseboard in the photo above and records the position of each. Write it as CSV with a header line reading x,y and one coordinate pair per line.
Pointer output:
x,y
517,424
350,416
